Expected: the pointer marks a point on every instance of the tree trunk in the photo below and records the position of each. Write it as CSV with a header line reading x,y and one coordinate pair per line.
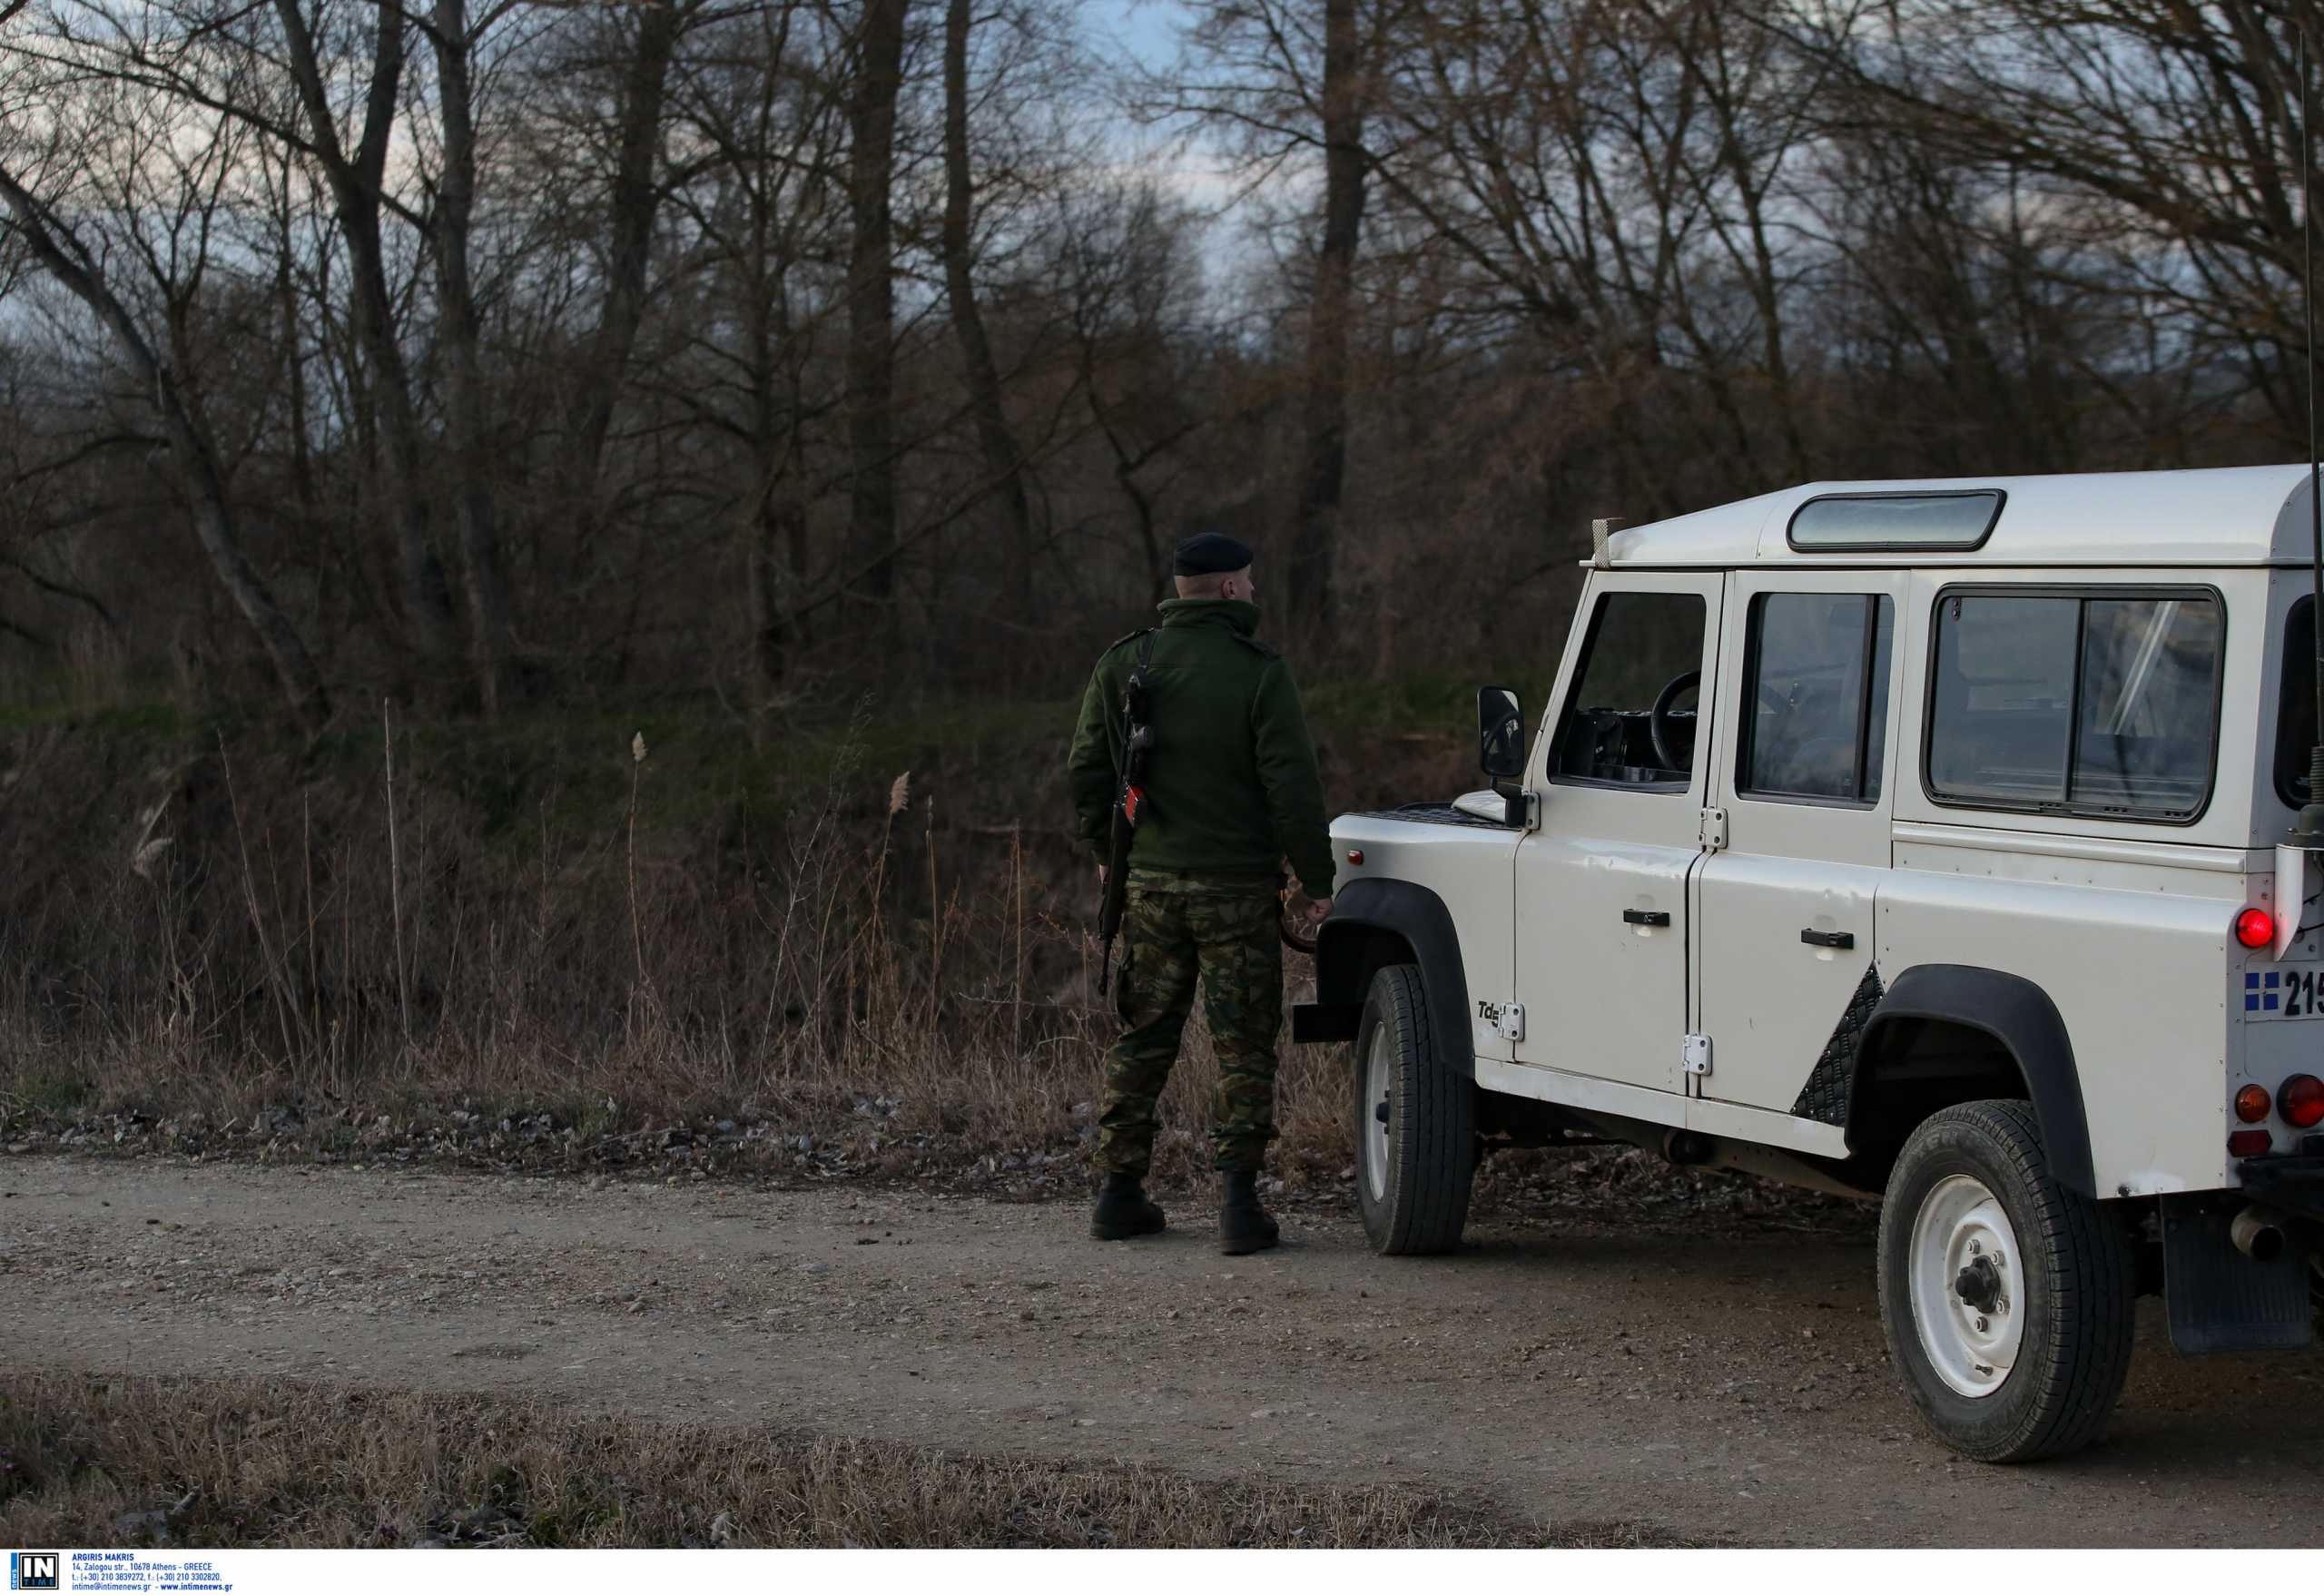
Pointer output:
x,y
871,310
355,185
772,513
1004,465
198,475
778,523
464,406
637,198
1316,528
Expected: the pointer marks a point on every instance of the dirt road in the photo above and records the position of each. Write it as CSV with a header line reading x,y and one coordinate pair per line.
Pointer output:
x,y
1730,1383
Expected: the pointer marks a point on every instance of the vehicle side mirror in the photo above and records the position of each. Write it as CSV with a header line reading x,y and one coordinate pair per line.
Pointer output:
x,y
1501,733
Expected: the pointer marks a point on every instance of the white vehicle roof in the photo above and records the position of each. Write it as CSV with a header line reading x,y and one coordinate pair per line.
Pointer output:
x,y
2244,514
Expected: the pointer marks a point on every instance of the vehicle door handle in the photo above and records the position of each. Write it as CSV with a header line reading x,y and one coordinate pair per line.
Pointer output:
x,y
1644,916
1842,940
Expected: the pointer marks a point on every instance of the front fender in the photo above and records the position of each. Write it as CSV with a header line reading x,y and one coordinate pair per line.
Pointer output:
x,y
1375,922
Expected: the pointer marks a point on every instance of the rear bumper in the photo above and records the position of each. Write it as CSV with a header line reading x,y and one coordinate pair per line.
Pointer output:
x,y
2295,1183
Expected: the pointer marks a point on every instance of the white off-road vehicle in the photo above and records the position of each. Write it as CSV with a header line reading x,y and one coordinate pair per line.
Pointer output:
x,y
1918,839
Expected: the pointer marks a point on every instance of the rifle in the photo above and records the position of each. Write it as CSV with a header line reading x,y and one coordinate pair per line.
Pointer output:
x,y
1130,807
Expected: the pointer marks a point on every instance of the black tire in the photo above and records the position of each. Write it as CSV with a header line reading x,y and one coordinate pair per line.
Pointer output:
x,y
2076,1272
1414,1182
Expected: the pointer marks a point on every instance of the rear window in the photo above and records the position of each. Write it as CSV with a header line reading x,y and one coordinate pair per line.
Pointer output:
x,y
2296,714
2101,703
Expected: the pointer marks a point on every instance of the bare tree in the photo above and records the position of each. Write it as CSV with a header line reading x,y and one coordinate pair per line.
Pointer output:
x,y
646,49
1125,261
465,406
356,178
1330,321
761,209
1004,464
2172,127
1761,105
199,161
877,65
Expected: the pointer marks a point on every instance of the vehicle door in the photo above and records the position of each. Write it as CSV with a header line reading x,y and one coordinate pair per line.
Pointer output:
x,y
1785,920
1600,932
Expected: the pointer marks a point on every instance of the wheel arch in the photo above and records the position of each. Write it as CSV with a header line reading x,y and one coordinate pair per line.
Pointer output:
x,y
1377,923
1941,1025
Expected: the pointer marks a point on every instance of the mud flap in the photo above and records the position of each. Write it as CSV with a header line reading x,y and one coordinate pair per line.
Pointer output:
x,y
1324,1021
2220,1300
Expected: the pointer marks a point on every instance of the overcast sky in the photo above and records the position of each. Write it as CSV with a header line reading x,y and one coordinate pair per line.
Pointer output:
x,y
1149,31
1149,27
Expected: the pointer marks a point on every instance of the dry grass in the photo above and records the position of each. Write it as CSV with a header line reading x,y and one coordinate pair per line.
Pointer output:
x,y
264,950
90,1461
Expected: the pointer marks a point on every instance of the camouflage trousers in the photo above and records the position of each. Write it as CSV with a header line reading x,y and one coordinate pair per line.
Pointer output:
x,y
1229,940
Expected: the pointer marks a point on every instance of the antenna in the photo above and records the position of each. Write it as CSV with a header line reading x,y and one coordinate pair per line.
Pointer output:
x,y
2308,830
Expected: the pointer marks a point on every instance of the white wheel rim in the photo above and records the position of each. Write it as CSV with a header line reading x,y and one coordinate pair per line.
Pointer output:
x,y
1372,1133
1967,1286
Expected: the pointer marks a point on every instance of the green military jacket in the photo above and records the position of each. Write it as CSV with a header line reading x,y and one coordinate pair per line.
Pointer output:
x,y
1232,780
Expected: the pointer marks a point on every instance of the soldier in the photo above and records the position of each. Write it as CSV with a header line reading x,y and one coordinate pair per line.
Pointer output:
x,y
1232,791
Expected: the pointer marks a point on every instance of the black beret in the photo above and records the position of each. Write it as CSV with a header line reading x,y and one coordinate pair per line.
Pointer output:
x,y
1211,554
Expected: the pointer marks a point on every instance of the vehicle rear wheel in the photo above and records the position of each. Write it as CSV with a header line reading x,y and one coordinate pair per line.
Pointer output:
x,y
2008,1299
1416,1123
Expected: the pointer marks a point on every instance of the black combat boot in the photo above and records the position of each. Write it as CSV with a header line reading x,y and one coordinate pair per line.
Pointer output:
x,y
1243,1225
1124,1210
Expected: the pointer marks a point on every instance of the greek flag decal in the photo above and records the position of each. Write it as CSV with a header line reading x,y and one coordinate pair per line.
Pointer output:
x,y
2260,993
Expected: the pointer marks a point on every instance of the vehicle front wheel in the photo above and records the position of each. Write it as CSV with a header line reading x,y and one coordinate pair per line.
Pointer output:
x,y
1416,1123
2008,1299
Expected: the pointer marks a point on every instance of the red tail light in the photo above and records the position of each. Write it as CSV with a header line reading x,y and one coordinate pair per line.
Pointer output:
x,y
2300,1099
2255,927
2248,1143
2252,1104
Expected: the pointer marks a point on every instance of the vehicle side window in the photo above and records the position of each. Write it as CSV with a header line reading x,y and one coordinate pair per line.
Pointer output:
x,y
2100,703
1630,718
2296,712
1815,710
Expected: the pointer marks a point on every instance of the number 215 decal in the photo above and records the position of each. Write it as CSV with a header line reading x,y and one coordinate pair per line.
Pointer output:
x,y
2289,994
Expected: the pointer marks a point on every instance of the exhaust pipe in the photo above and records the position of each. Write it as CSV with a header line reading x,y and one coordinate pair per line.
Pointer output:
x,y
2257,1234
1688,1148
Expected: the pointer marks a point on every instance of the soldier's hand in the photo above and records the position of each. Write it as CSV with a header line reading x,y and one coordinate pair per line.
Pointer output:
x,y
1319,909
